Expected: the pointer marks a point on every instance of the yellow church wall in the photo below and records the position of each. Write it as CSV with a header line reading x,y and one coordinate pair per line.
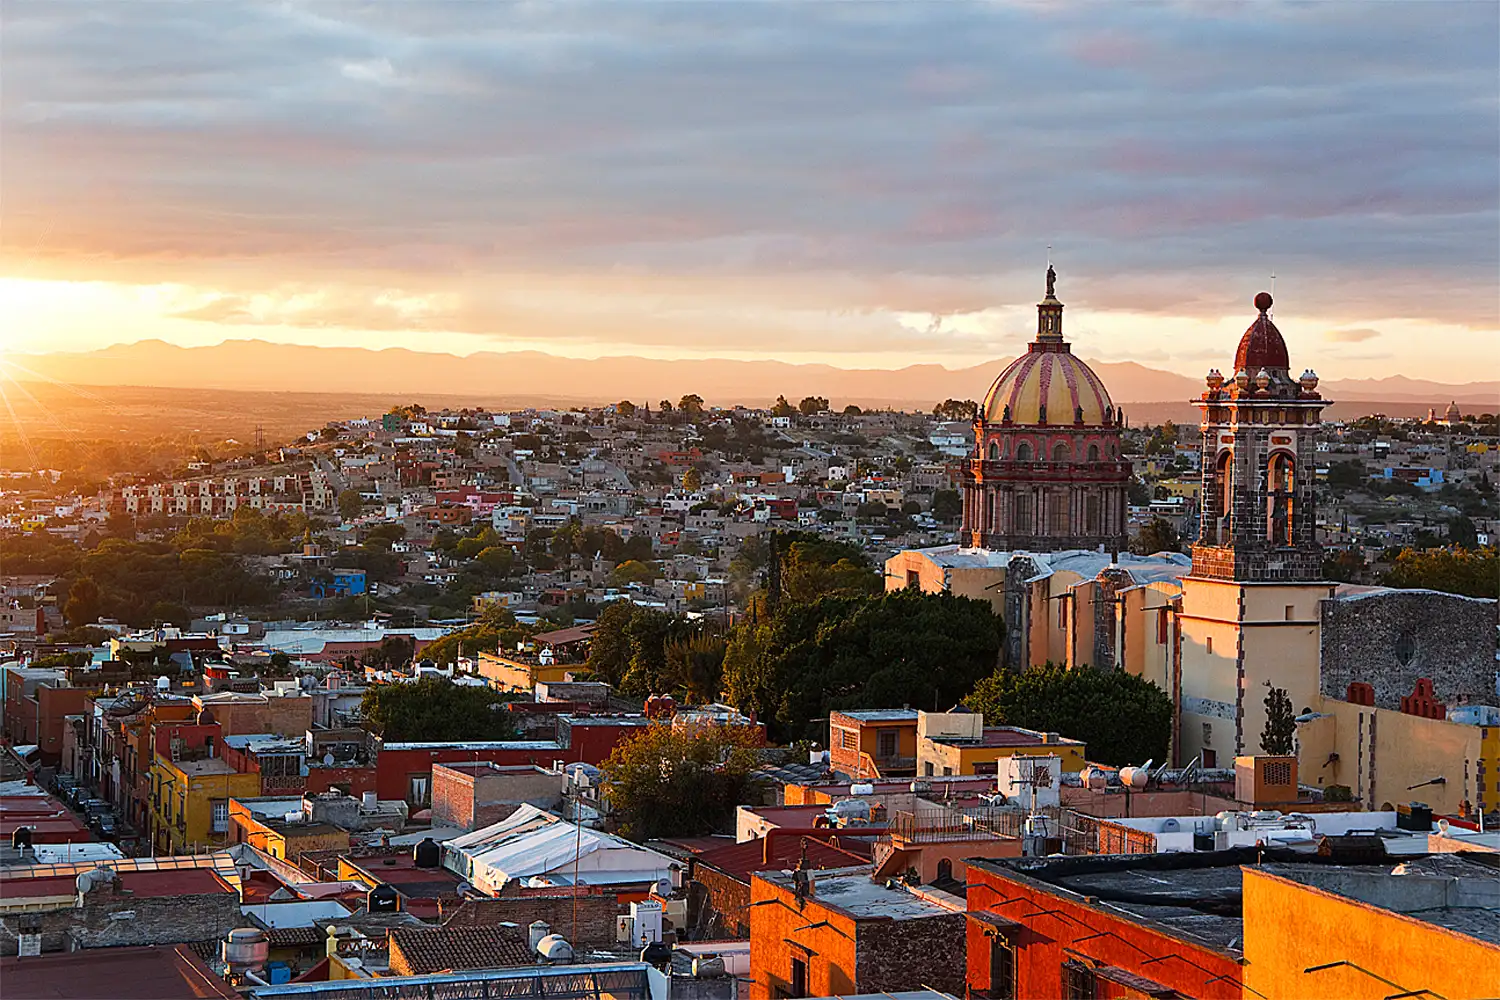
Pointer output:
x,y
1143,654
1406,750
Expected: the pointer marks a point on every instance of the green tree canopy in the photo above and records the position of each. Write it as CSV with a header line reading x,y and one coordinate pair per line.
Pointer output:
x,y
881,651
691,404
1279,733
643,651
947,505
811,405
956,409
350,504
634,571
1123,718
497,628
1471,572
1156,535
435,709
782,408
670,781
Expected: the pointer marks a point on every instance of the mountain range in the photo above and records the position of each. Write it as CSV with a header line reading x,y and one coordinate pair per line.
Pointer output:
x,y
536,378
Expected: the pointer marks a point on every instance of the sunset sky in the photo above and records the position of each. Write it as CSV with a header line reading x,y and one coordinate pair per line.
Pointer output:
x,y
866,185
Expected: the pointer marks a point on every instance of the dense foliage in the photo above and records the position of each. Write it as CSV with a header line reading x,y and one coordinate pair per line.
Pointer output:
x,y
1156,535
1278,736
497,628
1470,572
670,781
642,651
793,666
1123,718
435,709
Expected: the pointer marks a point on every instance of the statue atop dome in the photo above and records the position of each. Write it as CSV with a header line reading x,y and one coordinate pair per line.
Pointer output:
x,y
1051,282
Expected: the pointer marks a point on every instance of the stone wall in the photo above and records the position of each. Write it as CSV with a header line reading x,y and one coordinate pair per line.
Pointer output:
x,y
717,905
1389,639
110,918
912,954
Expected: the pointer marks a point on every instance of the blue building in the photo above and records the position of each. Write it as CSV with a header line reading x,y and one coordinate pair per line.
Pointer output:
x,y
344,583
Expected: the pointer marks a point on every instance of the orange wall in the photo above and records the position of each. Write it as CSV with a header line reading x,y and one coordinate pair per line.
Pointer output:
x,y
1290,927
830,963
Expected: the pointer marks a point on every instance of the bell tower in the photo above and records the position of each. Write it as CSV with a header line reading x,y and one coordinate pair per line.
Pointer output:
x,y
1258,520
1250,608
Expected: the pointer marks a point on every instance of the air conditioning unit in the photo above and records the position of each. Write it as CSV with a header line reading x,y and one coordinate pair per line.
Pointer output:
x,y
1221,840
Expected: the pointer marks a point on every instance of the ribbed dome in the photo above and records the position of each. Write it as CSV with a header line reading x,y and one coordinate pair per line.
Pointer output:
x,y
1261,346
1052,378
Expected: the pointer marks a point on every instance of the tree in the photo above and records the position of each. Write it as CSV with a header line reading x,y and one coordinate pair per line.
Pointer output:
x,y
84,603
350,504
497,628
435,709
1156,535
665,406
782,408
691,404
814,567
692,480
1471,572
1082,704
853,411
811,405
1345,566
393,651
947,505
794,665
625,408
956,409
1462,533
498,559
633,648
668,781
695,666
1281,725
634,571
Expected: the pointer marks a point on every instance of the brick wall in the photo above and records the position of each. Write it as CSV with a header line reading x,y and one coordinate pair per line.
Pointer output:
x,y
1389,640
596,915
717,905
112,920
452,798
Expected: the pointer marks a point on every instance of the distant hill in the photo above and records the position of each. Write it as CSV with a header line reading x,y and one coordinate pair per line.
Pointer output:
x,y
538,378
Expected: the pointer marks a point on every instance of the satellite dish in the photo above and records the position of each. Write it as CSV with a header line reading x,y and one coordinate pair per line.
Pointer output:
x,y
328,760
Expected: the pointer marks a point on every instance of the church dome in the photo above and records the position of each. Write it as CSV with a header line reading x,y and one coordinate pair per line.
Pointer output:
x,y
1053,379
1261,346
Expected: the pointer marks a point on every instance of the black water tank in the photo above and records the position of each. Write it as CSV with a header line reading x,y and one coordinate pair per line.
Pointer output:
x,y
657,955
427,854
20,837
383,899
1415,816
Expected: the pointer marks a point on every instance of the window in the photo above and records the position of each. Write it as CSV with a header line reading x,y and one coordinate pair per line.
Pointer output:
x,y
1023,452
1289,610
417,789
947,772
886,743
1060,453
927,769
1079,982
1210,758
1208,645
1091,514
1279,502
1093,453
1062,616
219,818
1162,630
798,978
994,452
1023,514
848,739
1208,733
945,869
1002,968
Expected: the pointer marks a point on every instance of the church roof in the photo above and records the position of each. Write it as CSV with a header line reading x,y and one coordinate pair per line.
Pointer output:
x,y
1261,346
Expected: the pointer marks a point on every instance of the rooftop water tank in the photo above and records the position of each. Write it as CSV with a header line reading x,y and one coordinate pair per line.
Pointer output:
x,y
383,899
427,854
555,950
245,948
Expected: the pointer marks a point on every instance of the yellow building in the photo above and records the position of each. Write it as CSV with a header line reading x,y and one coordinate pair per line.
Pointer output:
x,y
1363,933
280,836
190,802
507,672
873,743
1386,757
957,743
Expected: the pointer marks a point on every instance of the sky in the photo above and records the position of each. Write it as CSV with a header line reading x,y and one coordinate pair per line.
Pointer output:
x,y
868,185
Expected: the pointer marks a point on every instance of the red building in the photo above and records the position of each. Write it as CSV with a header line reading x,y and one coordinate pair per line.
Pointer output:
x,y
1155,925
36,703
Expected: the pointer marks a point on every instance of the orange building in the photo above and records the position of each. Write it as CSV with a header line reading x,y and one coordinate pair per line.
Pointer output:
x,y
838,932
867,745
1426,928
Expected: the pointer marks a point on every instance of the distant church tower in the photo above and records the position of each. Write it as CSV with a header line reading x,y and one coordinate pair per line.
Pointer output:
x,y
1250,607
1257,506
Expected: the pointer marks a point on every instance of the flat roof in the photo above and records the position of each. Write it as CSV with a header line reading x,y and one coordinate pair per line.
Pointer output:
x,y
879,714
170,882
158,972
852,891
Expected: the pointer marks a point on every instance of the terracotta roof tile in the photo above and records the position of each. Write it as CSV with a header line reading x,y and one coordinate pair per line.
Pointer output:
x,y
421,951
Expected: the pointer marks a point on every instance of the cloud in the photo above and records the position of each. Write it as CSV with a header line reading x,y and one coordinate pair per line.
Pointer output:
x,y
1357,335
767,171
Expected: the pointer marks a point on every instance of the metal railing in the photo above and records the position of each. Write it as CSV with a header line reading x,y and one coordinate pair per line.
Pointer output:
x,y
928,826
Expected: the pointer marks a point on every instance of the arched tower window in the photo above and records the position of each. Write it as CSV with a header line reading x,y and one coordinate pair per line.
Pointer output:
x,y
1223,507
1093,453
989,510
994,451
1280,502
1023,452
1060,452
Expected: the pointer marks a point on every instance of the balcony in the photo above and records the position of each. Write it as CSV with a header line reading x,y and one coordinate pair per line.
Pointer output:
x,y
947,826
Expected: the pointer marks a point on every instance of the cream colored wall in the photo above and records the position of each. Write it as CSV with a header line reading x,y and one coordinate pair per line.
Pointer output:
x,y
1407,750
1273,648
1047,640
1143,655
984,583
1081,624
